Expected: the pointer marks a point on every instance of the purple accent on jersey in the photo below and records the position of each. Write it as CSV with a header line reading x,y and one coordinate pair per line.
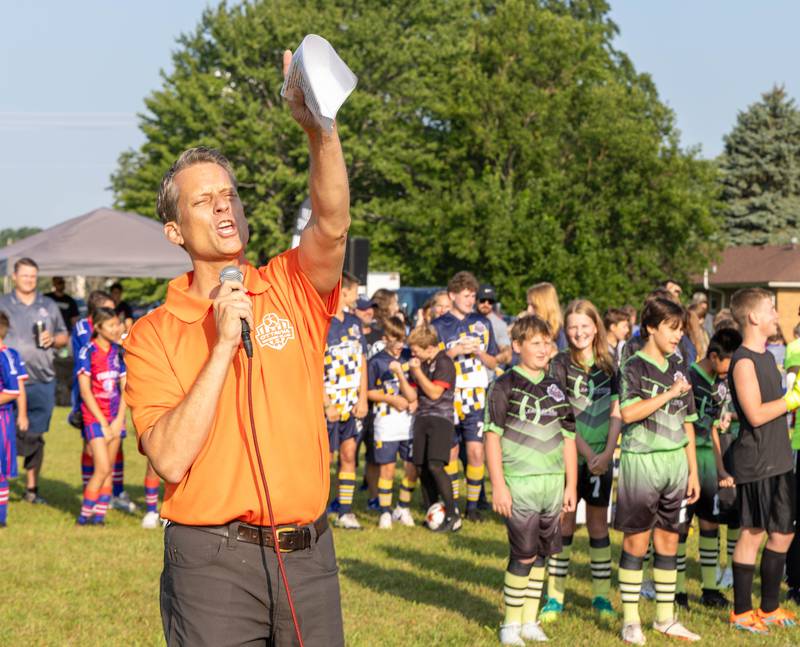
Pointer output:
x,y
105,370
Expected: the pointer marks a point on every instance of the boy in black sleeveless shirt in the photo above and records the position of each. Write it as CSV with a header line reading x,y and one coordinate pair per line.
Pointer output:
x,y
761,459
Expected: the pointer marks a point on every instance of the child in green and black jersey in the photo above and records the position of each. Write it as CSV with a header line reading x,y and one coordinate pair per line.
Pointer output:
x,y
586,373
529,435
658,469
716,504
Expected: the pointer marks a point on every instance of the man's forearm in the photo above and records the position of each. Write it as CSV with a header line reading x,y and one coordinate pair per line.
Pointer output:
x,y
330,193
173,443
60,340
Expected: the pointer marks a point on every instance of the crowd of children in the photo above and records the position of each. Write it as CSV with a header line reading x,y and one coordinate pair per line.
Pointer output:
x,y
692,413
690,410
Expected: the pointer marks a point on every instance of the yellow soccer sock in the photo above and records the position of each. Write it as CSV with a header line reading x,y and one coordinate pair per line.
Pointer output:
x,y
514,588
680,585
709,558
474,483
533,594
557,569
347,486
406,492
452,471
630,586
600,562
665,577
385,494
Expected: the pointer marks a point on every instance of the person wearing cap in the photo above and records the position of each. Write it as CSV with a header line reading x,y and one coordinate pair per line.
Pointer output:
x,y
188,392
487,306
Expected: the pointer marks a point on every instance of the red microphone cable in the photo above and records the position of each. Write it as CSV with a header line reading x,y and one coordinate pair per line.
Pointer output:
x,y
275,543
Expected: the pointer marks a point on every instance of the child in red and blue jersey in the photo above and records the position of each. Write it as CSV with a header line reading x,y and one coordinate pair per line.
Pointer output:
x,y
101,377
468,339
12,389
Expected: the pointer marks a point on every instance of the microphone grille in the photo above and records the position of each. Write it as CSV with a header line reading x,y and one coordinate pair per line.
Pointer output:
x,y
230,273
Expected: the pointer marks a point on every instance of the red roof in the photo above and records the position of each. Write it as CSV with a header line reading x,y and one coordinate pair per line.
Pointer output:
x,y
756,265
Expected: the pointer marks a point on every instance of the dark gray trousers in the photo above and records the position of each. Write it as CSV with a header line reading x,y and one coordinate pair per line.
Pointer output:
x,y
221,592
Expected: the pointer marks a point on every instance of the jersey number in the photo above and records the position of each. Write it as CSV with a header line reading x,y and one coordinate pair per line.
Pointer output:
x,y
715,508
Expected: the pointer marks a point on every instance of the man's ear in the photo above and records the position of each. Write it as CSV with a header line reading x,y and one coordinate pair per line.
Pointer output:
x,y
173,233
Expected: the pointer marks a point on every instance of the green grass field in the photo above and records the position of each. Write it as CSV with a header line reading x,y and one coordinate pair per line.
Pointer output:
x,y
99,586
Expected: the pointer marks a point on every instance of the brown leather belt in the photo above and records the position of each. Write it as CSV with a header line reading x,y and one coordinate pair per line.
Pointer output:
x,y
290,538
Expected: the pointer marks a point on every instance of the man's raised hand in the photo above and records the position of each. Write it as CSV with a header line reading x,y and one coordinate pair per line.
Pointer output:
x,y
297,105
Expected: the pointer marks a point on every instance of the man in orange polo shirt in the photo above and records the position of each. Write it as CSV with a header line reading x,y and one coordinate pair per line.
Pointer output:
x,y
187,390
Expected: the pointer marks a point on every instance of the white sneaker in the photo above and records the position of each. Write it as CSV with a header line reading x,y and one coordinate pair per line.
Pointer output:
x,y
533,631
403,516
632,634
123,503
725,578
385,521
150,520
511,635
648,590
675,629
348,522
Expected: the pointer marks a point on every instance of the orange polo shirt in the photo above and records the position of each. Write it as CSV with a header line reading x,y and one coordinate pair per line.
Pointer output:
x,y
167,349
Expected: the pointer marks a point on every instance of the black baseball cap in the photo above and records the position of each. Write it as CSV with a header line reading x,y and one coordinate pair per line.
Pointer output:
x,y
486,293
364,304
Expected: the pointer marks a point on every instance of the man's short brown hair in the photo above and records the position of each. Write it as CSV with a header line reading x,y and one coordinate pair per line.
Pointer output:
x,y
744,301
528,326
167,200
25,261
349,280
394,328
462,281
423,336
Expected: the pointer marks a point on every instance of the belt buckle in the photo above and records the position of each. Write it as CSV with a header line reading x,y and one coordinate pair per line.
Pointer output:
x,y
278,533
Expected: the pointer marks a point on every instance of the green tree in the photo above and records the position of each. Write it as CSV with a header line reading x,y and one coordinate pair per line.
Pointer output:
x,y
509,138
760,172
9,236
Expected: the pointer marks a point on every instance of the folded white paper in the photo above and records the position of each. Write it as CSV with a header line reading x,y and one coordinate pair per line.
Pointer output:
x,y
324,78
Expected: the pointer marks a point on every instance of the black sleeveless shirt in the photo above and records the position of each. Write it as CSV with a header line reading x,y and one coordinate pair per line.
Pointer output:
x,y
764,451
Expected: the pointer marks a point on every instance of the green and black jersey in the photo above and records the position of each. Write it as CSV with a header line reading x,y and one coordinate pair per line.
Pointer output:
x,y
590,394
710,396
532,418
642,379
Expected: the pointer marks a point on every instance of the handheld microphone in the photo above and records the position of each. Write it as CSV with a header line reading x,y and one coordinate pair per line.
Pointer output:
x,y
232,273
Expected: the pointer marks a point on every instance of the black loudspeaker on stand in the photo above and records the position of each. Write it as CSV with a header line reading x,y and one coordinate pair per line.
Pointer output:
x,y
356,258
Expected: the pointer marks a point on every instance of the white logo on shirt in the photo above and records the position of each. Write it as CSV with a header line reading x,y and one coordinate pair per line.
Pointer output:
x,y
554,392
274,331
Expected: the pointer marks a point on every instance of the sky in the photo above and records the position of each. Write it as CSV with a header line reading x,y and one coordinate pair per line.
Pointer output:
x,y
73,76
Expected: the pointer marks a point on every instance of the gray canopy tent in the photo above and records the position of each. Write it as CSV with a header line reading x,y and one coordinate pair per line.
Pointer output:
x,y
103,242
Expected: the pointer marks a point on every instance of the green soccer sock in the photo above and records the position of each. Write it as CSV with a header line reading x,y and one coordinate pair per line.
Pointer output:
x,y
630,575
680,585
709,558
514,589
533,594
665,576
600,562
558,566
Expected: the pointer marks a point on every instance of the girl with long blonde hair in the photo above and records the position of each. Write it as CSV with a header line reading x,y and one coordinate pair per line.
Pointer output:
x,y
586,373
543,302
